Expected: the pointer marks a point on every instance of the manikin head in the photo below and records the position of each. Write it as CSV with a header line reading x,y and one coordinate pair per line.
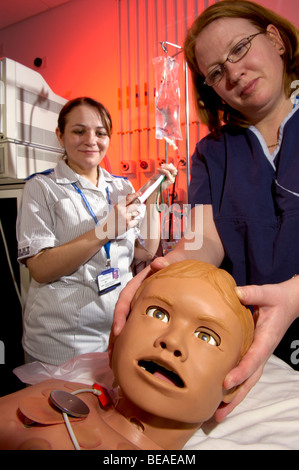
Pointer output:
x,y
186,331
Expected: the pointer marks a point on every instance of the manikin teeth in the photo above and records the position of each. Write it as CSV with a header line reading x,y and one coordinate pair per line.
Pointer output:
x,y
161,372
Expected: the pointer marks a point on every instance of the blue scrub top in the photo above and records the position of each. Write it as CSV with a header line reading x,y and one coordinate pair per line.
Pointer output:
x,y
255,199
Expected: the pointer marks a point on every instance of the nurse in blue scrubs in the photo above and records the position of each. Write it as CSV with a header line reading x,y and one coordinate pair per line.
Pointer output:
x,y
244,64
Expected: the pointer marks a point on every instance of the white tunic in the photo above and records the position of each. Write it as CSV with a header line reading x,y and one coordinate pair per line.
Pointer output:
x,y
68,317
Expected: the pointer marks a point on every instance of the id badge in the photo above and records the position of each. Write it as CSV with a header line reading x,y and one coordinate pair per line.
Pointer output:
x,y
108,280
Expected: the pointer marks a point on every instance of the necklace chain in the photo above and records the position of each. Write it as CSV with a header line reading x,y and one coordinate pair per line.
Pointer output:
x,y
273,145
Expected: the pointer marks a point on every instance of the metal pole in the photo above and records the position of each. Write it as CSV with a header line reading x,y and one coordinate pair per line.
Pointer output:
x,y
163,44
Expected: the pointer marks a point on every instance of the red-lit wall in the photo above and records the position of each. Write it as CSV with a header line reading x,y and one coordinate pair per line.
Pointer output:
x,y
105,49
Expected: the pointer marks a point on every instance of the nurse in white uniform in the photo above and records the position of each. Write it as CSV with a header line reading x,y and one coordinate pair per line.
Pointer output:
x,y
79,241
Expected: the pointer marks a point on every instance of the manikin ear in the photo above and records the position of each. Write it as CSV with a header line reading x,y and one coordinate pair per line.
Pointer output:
x,y
230,395
276,39
224,407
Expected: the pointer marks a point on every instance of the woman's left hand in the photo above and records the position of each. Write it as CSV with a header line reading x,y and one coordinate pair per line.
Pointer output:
x,y
170,171
276,307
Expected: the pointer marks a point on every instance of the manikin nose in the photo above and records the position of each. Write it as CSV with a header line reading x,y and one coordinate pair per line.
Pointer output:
x,y
176,352
171,342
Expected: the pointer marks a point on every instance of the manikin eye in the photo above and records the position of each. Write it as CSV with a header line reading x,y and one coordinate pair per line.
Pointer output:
x,y
158,313
207,336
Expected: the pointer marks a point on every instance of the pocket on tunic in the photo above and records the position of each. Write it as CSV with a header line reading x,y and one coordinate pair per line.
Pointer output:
x,y
53,308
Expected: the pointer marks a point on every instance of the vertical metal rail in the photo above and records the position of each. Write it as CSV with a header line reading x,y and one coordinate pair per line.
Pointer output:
x,y
146,84
187,130
138,87
129,102
120,74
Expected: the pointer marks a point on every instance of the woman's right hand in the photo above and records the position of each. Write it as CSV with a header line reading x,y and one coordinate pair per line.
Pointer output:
x,y
123,305
120,219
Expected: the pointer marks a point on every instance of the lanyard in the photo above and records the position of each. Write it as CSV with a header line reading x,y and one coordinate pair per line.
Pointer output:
x,y
89,208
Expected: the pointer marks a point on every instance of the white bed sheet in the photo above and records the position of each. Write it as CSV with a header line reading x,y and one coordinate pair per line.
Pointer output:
x,y
267,419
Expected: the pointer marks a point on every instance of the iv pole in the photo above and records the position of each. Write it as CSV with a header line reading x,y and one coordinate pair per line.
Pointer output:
x,y
186,108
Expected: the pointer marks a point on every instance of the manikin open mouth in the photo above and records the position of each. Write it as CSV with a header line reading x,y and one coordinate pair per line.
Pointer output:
x,y
161,372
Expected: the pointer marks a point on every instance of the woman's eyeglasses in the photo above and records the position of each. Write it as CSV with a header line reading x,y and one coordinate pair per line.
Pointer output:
x,y
237,53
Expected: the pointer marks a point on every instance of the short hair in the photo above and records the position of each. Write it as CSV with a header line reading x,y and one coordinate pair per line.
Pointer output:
x,y
218,278
84,100
210,107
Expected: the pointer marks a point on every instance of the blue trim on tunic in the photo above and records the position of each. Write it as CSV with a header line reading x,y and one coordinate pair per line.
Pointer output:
x,y
45,172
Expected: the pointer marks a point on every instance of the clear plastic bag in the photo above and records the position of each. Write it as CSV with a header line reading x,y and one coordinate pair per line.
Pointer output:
x,y
167,100
87,368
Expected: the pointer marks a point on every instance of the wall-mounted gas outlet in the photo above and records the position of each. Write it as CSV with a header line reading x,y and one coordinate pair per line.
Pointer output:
x,y
128,167
162,160
181,162
147,166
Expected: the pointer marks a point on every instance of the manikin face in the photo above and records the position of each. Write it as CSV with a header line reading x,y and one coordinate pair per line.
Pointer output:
x,y
176,348
254,84
85,138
